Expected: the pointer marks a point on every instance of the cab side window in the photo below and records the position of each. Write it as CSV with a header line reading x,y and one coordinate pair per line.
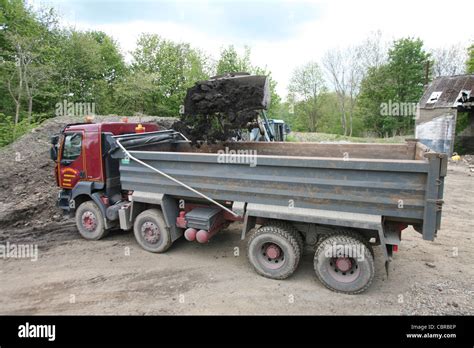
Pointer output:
x,y
72,146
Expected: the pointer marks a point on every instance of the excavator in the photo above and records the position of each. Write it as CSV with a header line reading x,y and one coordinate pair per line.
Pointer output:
x,y
231,106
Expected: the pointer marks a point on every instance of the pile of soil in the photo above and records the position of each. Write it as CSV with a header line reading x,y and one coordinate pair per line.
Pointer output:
x,y
217,109
27,179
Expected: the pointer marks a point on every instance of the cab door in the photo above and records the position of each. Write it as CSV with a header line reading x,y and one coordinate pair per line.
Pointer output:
x,y
71,167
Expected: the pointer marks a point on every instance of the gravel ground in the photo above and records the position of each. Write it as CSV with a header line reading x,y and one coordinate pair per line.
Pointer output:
x,y
115,276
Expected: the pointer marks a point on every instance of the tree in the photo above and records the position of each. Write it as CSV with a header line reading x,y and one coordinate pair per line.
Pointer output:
x,y
306,86
407,63
345,73
89,65
133,93
176,66
23,36
400,80
448,60
372,52
470,60
377,88
230,61
34,56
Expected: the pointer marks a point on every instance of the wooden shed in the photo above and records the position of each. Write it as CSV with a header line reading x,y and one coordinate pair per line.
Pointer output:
x,y
443,100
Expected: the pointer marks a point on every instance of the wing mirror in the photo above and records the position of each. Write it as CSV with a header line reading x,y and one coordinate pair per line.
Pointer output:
x,y
53,151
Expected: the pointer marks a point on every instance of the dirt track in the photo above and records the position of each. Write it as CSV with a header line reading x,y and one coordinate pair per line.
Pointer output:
x,y
74,276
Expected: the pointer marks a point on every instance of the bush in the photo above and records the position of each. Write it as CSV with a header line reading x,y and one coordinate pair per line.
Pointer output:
x,y
9,133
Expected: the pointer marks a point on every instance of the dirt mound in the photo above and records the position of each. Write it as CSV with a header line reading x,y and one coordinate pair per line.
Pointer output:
x,y
217,109
27,180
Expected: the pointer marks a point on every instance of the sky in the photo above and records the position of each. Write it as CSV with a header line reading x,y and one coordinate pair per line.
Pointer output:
x,y
281,34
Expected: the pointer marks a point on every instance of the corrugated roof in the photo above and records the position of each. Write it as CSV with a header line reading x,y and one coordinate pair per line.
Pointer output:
x,y
444,91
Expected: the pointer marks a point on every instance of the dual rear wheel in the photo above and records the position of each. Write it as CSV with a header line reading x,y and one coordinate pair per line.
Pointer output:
x,y
343,261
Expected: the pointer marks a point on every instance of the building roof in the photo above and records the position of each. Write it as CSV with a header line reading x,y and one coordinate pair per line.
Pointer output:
x,y
445,91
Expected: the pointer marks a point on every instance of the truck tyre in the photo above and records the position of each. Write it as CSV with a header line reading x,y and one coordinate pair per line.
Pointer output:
x,y
90,221
344,263
274,252
151,231
289,228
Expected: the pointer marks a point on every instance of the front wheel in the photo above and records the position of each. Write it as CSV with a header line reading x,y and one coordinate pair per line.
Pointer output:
x,y
343,262
90,221
151,231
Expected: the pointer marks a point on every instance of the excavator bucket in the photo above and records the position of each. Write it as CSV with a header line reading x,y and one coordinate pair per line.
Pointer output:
x,y
231,92
216,109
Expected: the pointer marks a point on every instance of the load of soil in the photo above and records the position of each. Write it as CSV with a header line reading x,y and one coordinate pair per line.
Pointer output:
x,y
27,179
217,109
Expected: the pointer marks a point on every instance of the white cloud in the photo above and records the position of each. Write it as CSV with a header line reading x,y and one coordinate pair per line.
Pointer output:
x,y
340,24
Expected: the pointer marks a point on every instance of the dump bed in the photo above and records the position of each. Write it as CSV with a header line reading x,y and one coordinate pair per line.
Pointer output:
x,y
399,182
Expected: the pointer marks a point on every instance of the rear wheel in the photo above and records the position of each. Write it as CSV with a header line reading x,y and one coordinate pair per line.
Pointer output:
x,y
90,221
151,231
274,252
344,262
290,229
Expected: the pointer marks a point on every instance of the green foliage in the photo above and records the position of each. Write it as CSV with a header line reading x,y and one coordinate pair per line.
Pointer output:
x,y
377,88
401,80
329,116
9,132
291,138
173,68
462,122
470,60
306,89
134,93
89,64
230,61
407,63
43,65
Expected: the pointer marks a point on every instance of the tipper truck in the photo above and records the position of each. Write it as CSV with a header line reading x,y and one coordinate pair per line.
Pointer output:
x,y
339,200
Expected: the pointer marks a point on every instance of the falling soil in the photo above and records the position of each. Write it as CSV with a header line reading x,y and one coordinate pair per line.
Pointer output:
x,y
218,109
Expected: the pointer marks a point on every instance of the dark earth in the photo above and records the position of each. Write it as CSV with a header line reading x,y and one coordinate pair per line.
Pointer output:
x,y
218,109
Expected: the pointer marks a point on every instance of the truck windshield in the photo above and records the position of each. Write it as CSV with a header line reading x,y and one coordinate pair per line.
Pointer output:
x,y
72,146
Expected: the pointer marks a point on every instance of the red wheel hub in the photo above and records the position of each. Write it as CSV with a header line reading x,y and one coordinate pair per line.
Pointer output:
x,y
343,264
89,221
273,251
150,232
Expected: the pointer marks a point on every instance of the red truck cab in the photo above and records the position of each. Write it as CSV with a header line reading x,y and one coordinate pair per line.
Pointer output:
x,y
83,169
79,155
